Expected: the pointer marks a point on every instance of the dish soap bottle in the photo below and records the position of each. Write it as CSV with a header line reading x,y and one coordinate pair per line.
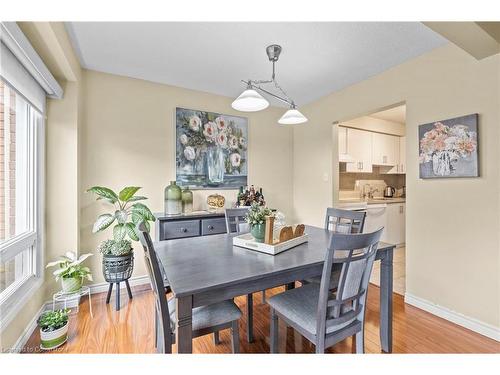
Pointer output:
x,y
173,199
187,201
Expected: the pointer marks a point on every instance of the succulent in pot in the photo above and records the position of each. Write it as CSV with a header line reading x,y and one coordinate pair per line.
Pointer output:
x,y
53,328
71,271
256,218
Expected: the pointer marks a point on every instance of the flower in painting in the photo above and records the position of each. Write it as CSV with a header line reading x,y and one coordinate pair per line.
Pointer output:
x,y
210,131
243,142
221,123
222,140
194,123
189,153
233,142
183,139
235,159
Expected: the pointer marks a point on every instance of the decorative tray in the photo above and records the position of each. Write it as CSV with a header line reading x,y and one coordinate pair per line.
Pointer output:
x,y
247,241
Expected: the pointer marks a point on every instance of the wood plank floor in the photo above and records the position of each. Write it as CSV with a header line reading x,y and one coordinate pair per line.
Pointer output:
x,y
131,330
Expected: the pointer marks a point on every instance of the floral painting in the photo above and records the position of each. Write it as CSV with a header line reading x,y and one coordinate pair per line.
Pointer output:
x,y
211,149
448,148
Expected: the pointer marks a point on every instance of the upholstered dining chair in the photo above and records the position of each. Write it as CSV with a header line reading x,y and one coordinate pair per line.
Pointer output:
x,y
235,223
206,319
323,315
340,221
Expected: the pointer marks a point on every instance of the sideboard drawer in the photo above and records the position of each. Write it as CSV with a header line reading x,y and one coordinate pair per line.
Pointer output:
x,y
179,229
213,226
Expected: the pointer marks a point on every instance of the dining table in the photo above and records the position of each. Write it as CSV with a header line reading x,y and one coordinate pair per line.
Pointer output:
x,y
209,269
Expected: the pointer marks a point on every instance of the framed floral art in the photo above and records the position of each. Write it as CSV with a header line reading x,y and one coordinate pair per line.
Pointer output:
x,y
449,148
211,149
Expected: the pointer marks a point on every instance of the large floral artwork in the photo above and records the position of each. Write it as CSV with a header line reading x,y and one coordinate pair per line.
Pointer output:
x,y
448,148
211,149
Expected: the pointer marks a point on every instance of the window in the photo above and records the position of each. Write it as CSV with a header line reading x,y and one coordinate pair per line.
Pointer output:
x,y
20,128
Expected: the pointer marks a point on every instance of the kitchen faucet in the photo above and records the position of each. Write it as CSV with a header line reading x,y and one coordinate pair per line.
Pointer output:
x,y
371,190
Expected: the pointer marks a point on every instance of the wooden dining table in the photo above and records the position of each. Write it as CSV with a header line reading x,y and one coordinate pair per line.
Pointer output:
x,y
210,269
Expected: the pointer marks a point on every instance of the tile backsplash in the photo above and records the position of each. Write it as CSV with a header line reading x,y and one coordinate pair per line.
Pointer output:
x,y
347,180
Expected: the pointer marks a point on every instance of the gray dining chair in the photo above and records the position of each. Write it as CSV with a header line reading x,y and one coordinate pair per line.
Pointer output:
x,y
325,316
340,221
206,319
235,223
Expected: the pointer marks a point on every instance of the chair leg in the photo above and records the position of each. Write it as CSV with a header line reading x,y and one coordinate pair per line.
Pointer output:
x,y
320,346
110,289
250,317
156,328
274,332
360,342
263,296
216,338
235,337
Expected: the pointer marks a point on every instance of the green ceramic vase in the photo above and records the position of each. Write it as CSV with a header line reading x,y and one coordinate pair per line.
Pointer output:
x,y
258,232
187,201
173,199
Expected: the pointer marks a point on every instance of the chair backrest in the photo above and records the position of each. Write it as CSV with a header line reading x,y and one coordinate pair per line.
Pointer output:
x,y
355,254
344,221
235,217
155,275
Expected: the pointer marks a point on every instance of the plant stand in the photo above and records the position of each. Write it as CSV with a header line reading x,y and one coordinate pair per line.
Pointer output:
x,y
117,293
65,297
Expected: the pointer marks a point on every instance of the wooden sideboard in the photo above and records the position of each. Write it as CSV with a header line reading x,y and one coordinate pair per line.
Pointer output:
x,y
198,223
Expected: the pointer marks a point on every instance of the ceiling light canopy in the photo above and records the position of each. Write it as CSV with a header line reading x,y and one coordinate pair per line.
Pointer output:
x,y
251,101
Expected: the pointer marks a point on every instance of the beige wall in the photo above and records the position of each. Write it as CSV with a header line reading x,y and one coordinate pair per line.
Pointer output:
x,y
375,125
452,225
128,139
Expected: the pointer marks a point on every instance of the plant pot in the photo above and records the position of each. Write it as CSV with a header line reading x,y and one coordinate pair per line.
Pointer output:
x,y
71,284
117,268
53,339
258,232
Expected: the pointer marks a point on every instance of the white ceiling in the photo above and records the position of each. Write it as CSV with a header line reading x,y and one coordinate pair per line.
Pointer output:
x,y
317,58
396,114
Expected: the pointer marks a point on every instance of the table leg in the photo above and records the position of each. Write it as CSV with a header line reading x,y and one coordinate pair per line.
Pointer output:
x,y
184,325
386,301
250,317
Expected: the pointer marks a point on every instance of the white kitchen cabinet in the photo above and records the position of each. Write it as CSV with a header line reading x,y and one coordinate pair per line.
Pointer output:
x,y
396,219
343,155
385,149
402,154
359,148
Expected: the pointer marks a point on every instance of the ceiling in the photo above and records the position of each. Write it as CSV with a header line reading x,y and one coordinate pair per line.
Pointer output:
x,y
396,114
317,58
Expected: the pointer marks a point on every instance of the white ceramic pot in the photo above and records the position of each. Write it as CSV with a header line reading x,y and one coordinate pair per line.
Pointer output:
x,y
71,284
53,339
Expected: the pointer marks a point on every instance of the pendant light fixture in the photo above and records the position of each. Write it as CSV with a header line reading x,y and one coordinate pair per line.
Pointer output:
x,y
251,101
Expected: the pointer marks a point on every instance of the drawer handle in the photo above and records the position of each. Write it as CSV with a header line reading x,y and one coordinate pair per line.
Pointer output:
x,y
210,227
184,230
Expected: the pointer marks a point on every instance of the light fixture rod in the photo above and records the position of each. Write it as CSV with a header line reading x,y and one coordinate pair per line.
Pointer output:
x,y
251,84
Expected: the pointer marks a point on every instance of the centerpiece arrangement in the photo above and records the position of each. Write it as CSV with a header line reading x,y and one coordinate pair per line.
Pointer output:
x,y
256,219
127,214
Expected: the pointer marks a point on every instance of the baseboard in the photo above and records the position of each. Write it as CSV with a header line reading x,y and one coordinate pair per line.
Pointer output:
x,y
462,320
94,289
133,281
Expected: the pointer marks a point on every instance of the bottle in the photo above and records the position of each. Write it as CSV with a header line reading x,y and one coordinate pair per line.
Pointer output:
x,y
173,199
187,200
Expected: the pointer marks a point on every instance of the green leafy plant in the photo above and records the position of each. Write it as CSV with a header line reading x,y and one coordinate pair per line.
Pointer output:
x,y
128,212
53,320
117,248
257,214
71,267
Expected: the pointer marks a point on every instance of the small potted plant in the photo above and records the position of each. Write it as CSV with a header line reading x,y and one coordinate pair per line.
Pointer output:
x,y
53,328
71,271
127,213
256,219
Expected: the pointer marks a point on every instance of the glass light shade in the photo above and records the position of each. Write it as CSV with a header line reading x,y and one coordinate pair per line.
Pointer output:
x,y
250,101
291,117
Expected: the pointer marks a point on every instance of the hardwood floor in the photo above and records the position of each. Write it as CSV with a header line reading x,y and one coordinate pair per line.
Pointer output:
x,y
131,330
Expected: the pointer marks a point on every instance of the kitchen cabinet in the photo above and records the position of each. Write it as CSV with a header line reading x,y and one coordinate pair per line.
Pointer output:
x,y
343,154
400,166
395,228
359,148
385,150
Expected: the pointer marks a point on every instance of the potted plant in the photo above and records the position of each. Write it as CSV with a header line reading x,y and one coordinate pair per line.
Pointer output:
x,y
53,329
127,213
256,219
71,272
